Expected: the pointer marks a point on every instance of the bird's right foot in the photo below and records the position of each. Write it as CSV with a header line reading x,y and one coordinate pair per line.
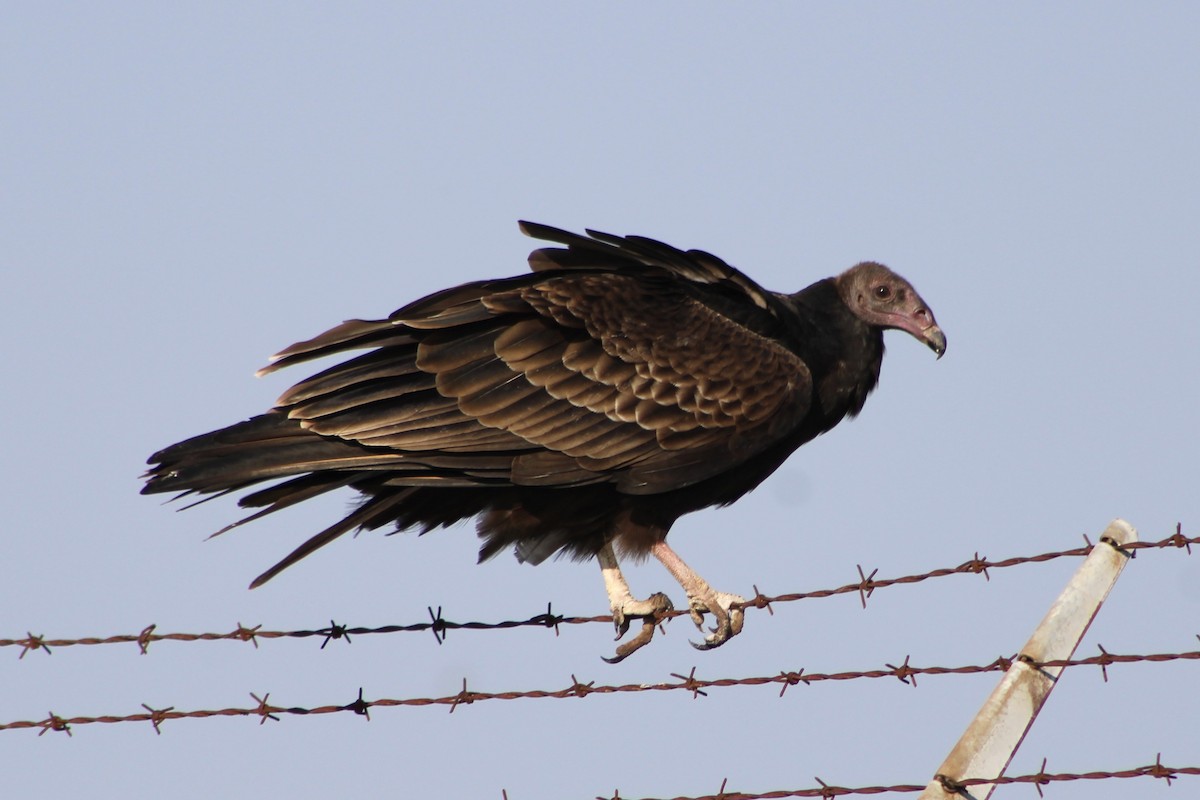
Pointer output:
x,y
650,611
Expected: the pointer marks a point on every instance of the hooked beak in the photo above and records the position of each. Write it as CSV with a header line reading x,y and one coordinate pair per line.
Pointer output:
x,y
935,339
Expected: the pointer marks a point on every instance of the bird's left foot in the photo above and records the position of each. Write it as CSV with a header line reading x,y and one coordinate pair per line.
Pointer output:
x,y
722,606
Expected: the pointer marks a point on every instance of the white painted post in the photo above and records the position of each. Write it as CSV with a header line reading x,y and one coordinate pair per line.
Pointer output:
x,y
992,738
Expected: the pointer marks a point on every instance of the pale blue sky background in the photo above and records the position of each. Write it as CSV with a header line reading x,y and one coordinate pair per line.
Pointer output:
x,y
188,188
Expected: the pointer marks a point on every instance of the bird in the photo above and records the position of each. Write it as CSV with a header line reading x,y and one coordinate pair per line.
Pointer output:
x,y
576,410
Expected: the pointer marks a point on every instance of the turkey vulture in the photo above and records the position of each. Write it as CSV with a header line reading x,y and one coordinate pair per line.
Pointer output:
x,y
579,410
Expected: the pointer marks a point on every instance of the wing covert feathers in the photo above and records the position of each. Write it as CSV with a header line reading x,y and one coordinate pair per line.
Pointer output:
x,y
615,355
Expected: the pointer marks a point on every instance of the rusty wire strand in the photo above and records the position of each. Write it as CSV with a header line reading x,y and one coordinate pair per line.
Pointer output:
x,y
1038,779
904,672
439,626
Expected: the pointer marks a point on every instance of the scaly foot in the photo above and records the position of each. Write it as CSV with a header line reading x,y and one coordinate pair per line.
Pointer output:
x,y
650,611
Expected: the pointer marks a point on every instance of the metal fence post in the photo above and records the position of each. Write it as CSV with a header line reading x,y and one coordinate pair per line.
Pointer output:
x,y
992,738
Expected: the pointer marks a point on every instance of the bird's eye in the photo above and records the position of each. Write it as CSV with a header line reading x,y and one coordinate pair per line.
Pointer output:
x,y
883,292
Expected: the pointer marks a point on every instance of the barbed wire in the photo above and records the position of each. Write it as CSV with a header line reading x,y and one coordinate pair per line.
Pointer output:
x,y
440,626
905,672
1038,779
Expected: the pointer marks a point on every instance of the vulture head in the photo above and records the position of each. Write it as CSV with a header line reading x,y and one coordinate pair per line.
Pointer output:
x,y
882,298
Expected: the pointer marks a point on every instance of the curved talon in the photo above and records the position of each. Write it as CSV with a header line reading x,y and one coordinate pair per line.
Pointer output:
x,y
721,632
620,623
633,645
729,621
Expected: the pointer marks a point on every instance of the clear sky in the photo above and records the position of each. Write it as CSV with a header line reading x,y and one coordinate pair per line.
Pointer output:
x,y
187,188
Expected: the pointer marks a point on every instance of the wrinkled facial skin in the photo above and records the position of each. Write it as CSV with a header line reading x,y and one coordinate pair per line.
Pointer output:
x,y
881,297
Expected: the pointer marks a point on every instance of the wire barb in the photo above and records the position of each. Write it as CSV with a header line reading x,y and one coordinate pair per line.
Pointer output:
x,y
904,672
691,684
580,689
465,697
977,565
157,716
334,631
1041,779
264,711
144,638
438,625
865,586
360,706
247,634
791,679
1157,770
31,642
53,722
549,619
